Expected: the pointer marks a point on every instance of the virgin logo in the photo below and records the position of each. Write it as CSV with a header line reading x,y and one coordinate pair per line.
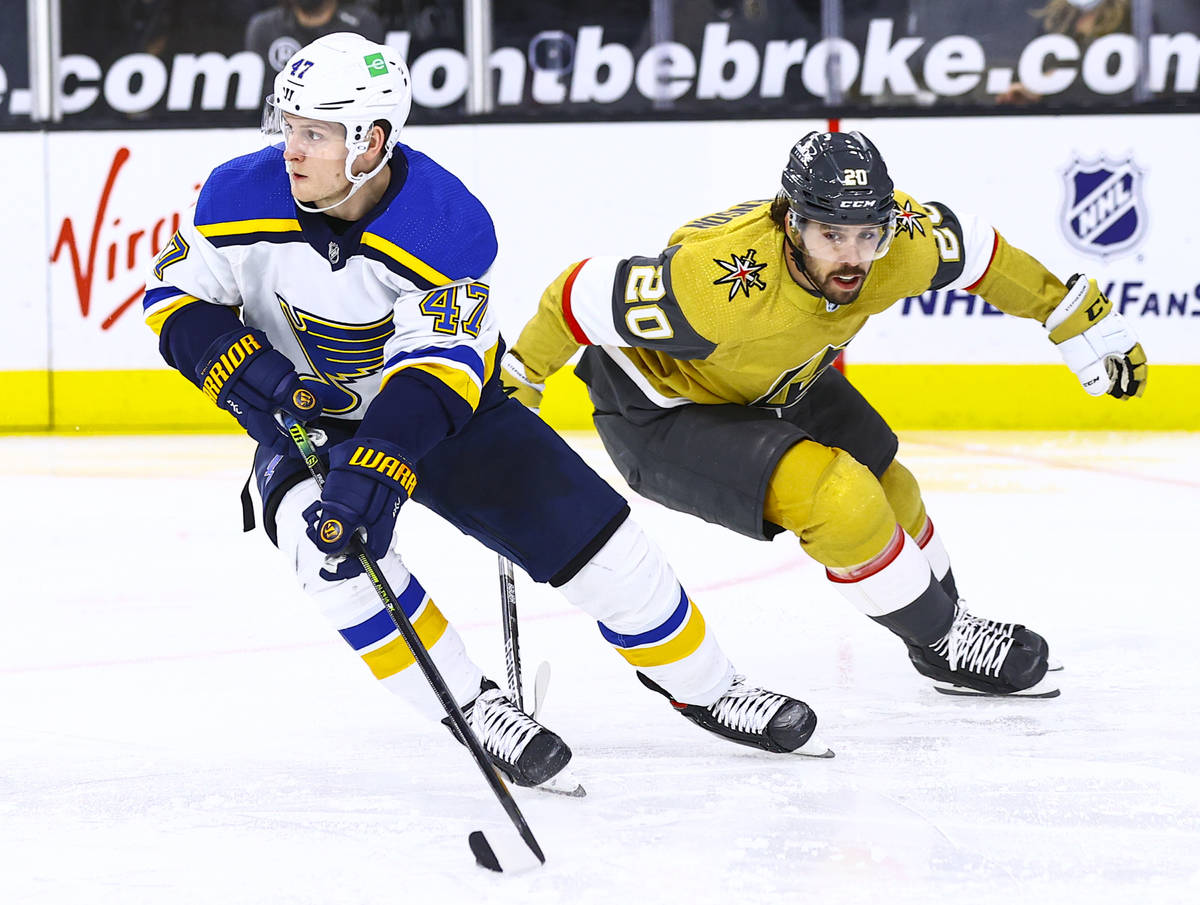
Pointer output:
x,y
109,252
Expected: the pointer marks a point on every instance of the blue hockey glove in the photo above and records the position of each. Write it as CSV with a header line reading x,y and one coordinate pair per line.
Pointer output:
x,y
249,378
369,480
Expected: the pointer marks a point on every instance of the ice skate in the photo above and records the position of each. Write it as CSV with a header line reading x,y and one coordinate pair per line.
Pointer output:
x,y
981,657
521,748
755,717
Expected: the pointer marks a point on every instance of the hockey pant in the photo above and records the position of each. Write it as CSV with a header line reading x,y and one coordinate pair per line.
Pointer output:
x,y
627,586
873,536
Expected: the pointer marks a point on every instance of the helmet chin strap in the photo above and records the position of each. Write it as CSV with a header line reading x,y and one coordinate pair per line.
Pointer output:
x,y
357,181
798,260
320,210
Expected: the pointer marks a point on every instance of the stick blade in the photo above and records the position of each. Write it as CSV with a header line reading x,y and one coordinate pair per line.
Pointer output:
x,y
510,855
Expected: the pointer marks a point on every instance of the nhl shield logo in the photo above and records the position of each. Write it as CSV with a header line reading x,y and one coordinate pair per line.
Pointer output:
x,y
1103,211
335,252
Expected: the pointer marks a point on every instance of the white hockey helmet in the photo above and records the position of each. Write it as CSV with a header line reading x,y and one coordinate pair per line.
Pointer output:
x,y
344,78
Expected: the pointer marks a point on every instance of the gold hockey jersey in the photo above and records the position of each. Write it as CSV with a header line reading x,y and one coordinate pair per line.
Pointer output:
x,y
717,318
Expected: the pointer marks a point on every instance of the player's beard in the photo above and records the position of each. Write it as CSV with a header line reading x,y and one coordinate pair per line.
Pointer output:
x,y
838,294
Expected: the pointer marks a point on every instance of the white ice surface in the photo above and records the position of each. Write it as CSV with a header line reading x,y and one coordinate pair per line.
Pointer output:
x,y
178,725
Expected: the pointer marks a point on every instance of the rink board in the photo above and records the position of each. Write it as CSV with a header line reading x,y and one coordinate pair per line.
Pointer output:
x,y
98,205
911,397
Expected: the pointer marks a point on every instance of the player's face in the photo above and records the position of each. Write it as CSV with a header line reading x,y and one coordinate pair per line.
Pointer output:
x,y
314,152
838,257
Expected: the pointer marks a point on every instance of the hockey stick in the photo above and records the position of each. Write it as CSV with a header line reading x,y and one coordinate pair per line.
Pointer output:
x,y
564,782
484,853
508,616
512,644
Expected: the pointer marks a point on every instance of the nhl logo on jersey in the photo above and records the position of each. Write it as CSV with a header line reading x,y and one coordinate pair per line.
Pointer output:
x,y
1103,211
335,252
741,273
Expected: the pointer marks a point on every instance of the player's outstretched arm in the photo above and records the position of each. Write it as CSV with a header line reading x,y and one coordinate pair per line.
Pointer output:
x,y
546,342
1096,341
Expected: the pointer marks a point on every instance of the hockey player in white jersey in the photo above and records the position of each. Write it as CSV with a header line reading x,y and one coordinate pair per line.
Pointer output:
x,y
358,267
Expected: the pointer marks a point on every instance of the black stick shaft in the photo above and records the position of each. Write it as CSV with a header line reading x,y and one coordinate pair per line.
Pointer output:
x,y
432,675
512,644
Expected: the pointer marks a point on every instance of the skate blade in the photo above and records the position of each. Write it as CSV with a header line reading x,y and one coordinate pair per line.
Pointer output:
x,y
814,747
563,783
1046,688
541,684
1053,665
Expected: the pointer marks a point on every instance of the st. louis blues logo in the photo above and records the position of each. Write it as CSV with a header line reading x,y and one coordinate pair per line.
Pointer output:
x,y
338,353
1103,211
741,273
909,220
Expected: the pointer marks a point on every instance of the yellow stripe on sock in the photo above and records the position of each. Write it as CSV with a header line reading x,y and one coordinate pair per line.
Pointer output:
x,y
395,656
682,645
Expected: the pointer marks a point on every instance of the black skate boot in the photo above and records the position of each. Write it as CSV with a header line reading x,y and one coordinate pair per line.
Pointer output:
x,y
981,657
754,717
520,747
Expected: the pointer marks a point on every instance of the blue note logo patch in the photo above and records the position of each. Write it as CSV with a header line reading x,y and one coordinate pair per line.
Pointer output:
x,y
1103,212
741,273
338,354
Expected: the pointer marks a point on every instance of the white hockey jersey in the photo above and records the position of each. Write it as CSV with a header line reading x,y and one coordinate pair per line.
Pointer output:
x,y
400,289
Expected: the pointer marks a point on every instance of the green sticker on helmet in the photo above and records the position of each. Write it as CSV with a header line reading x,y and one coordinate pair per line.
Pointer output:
x,y
376,64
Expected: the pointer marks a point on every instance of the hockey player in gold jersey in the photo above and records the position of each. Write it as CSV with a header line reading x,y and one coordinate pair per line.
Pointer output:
x,y
709,368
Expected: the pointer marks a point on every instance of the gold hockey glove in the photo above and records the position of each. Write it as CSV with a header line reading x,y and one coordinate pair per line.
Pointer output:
x,y
517,382
1096,342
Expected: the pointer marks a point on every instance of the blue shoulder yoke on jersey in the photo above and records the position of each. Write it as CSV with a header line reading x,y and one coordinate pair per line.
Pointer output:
x,y
435,231
248,200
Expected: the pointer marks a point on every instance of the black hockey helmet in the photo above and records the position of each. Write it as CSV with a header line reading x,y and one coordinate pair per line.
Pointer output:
x,y
838,177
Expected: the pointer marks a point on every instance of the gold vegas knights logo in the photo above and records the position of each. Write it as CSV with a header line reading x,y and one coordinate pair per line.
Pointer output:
x,y
741,273
331,530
